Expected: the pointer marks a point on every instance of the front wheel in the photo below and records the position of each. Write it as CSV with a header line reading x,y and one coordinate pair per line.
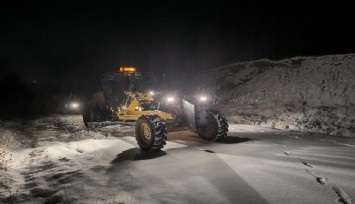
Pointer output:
x,y
151,132
216,129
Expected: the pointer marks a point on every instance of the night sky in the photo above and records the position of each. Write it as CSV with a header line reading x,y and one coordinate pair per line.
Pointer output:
x,y
74,42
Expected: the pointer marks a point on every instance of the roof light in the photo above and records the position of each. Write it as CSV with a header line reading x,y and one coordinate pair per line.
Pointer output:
x,y
128,69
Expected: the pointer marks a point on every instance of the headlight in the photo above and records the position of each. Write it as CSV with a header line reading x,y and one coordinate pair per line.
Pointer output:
x,y
151,93
74,105
170,99
203,98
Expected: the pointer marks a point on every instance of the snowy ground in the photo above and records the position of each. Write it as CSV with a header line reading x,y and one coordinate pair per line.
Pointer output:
x,y
310,94
56,160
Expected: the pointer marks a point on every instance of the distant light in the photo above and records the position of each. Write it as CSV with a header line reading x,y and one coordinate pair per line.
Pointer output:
x,y
203,98
74,105
151,93
170,99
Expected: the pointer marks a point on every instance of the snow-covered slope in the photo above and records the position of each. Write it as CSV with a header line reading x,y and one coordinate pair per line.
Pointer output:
x,y
314,94
63,162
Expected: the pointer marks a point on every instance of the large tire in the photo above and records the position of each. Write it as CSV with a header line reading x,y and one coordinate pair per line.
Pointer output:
x,y
216,129
88,115
151,132
91,114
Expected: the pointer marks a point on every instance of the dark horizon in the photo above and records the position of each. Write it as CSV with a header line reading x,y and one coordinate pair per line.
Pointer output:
x,y
62,42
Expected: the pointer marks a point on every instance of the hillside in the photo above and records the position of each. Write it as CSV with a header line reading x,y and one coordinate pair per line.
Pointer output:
x,y
312,94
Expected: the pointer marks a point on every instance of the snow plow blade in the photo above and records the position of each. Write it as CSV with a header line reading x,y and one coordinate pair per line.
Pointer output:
x,y
188,111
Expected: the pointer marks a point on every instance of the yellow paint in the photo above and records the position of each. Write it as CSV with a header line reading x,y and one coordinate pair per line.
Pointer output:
x,y
132,113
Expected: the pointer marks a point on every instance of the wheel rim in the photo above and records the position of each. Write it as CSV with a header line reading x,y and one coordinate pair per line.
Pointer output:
x,y
145,132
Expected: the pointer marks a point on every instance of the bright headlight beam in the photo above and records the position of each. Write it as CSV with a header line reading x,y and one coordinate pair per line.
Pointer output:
x,y
170,99
203,98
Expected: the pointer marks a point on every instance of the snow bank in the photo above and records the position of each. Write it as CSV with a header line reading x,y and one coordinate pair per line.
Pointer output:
x,y
312,94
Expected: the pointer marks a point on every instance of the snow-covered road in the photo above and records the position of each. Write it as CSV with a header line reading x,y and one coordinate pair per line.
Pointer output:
x,y
254,165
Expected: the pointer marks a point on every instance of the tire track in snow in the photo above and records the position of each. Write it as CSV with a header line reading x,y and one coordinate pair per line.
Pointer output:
x,y
307,164
319,179
289,154
342,196
304,162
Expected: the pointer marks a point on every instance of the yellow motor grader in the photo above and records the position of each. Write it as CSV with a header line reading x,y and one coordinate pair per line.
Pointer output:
x,y
152,115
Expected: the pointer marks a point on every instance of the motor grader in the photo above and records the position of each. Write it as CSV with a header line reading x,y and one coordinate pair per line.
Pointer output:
x,y
121,98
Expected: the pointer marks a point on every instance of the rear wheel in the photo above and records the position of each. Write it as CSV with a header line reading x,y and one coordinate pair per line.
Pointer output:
x,y
91,114
88,115
217,127
151,132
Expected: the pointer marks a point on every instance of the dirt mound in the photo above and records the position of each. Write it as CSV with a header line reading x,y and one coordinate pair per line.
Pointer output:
x,y
314,94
